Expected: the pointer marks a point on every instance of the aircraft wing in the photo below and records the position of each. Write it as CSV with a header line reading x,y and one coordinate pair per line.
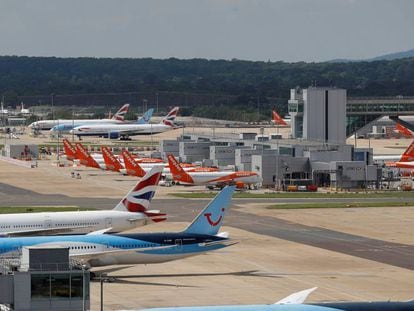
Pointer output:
x,y
41,231
111,252
296,298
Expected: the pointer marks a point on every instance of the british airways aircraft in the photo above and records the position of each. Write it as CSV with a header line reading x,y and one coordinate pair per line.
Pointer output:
x,y
100,249
115,131
66,126
118,117
131,212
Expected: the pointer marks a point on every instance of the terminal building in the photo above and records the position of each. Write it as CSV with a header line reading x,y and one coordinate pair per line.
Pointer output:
x,y
43,279
316,153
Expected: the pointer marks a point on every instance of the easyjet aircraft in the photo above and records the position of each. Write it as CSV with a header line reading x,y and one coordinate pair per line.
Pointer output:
x,y
219,179
71,155
133,167
404,131
278,119
407,156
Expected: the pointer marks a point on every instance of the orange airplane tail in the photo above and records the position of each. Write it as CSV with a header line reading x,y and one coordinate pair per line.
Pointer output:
x,y
131,166
408,154
84,156
277,119
70,151
177,171
111,162
403,130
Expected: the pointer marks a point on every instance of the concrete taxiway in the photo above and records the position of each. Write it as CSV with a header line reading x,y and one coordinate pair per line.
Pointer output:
x,y
350,254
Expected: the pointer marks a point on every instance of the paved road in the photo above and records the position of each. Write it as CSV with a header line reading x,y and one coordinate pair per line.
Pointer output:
x,y
400,255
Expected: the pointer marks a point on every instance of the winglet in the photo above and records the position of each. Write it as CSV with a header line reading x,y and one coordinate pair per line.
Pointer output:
x,y
210,219
131,166
296,298
178,173
120,114
70,151
146,117
111,162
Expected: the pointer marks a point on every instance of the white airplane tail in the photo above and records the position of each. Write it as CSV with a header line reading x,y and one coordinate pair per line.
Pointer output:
x,y
170,117
120,114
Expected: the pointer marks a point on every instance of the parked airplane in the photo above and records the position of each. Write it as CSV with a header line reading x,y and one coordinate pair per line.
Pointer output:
x,y
404,131
71,155
65,128
219,179
115,131
407,156
295,302
118,118
131,212
133,167
100,249
277,120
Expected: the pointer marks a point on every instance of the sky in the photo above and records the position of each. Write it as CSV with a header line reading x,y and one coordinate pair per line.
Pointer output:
x,y
262,30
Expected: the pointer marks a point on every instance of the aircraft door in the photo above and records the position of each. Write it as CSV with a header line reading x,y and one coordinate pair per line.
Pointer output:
x,y
48,223
108,222
179,243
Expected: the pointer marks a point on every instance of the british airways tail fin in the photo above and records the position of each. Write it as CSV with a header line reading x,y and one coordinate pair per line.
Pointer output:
x,y
120,114
139,198
146,117
210,219
170,117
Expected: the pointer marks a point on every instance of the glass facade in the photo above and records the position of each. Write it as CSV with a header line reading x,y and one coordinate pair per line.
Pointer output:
x,y
59,286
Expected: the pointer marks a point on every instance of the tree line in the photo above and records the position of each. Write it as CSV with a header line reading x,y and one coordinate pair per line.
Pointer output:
x,y
246,83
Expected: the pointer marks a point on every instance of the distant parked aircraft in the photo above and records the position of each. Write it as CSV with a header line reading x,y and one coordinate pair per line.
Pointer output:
x,y
131,212
404,131
100,249
219,179
118,117
407,156
278,119
124,131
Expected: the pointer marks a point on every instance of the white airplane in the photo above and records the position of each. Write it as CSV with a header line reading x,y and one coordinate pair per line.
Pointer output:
x,y
100,249
115,131
407,156
118,118
219,179
132,211
65,128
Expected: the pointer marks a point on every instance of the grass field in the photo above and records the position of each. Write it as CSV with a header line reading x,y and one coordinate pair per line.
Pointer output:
x,y
275,195
38,209
339,205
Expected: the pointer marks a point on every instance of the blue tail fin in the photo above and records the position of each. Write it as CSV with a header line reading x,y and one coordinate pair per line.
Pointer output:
x,y
146,117
210,219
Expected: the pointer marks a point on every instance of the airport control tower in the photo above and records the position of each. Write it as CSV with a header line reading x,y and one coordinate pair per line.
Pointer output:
x,y
318,114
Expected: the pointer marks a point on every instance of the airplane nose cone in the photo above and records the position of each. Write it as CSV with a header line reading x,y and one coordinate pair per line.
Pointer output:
x,y
72,132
